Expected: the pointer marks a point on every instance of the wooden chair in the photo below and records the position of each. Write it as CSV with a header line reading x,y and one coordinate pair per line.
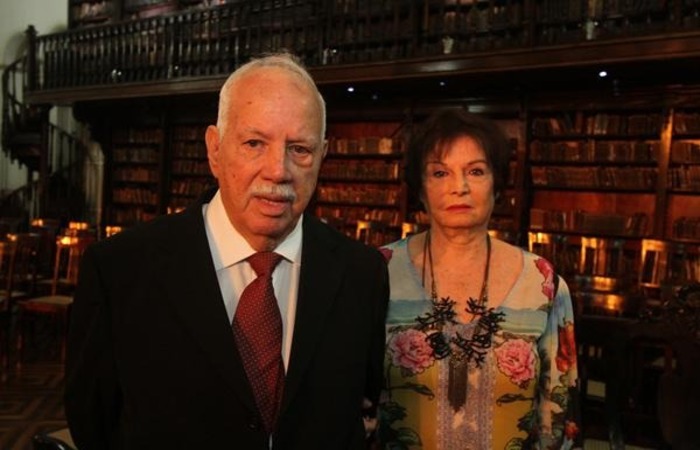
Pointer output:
x,y
409,228
604,277
47,229
553,247
18,259
601,347
370,232
664,266
56,305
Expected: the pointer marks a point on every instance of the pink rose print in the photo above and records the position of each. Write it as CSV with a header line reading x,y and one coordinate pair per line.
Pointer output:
x,y
546,269
410,351
516,360
387,253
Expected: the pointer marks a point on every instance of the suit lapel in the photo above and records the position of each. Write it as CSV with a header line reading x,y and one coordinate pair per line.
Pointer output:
x,y
319,281
193,291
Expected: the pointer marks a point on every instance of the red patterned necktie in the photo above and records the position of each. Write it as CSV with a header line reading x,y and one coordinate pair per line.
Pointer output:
x,y
257,327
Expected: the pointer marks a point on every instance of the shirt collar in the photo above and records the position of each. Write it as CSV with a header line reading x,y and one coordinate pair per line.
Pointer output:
x,y
230,247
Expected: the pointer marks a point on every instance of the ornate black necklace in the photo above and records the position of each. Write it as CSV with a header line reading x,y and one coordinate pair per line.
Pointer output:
x,y
462,351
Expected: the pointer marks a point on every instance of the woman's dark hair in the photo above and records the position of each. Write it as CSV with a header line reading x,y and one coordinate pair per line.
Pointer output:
x,y
440,130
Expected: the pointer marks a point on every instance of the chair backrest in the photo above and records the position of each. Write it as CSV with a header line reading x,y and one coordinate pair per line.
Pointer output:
x,y
663,261
69,251
554,248
602,257
47,229
370,232
409,228
18,264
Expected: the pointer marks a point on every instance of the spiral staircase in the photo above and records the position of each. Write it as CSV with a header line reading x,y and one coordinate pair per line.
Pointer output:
x,y
53,158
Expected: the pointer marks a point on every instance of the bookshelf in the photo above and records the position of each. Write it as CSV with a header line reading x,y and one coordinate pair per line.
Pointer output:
x,y
189,173
135,175
508,211
466,26
595,171
361,177
364,31
683,183
86,13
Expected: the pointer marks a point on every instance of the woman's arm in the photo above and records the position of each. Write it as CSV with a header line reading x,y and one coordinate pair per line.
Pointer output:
x,y
558,405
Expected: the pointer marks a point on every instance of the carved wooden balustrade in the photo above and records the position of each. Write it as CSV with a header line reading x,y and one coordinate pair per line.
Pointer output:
x,y
209,43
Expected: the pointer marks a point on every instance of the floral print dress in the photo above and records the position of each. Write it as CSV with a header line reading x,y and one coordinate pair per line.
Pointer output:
x,y
521,396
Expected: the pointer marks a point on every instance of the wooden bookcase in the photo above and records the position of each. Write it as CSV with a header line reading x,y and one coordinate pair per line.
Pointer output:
x,y
85,13
189,173
361,177
135,174
683,181
595,171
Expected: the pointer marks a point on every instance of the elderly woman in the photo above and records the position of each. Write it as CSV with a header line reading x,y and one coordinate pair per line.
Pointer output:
x,y
480,335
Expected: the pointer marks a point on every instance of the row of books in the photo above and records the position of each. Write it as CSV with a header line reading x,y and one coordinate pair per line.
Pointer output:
x,y
361,170
364,194
685,122
475,18
364,145
190,167
189,133
687,228
599,124
137,196
584,222
190,149
634,178
595,151
136,174
131,215
138,136
685,152
190,188
135,155
351,214
684,178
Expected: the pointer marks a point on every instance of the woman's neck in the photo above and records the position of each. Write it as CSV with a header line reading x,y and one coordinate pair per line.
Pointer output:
x,y
457,244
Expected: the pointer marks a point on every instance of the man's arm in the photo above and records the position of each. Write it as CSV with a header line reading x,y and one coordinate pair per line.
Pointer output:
x,y
92,399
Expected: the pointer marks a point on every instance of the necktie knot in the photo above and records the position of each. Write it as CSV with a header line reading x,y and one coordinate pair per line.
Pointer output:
x,y
263,263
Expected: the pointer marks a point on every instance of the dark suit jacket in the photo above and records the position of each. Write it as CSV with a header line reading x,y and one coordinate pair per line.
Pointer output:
x,y
152,362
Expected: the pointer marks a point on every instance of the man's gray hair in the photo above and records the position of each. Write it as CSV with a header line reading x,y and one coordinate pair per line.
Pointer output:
x,y
283,60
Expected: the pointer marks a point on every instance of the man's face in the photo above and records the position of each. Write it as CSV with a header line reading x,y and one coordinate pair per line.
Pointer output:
x,y
268,160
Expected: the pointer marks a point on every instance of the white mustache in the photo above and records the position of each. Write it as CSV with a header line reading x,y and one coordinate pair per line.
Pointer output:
x,y
282,192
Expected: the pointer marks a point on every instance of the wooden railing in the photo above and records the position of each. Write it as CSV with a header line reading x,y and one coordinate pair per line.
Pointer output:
x,y
14,112
327,33
29,138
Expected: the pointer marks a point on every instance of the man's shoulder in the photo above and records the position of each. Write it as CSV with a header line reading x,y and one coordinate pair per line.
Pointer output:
x,y
157,231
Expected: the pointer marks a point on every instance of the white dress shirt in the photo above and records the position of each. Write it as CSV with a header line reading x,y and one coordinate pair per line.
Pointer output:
x,y
230,250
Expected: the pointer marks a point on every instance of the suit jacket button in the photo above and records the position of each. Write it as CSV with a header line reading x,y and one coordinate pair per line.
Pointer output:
x,y
253,424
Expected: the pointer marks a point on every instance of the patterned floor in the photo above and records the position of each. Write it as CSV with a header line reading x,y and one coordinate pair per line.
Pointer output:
x,y
30,402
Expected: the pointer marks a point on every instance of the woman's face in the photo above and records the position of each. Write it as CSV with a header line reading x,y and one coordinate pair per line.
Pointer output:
x,y
458,187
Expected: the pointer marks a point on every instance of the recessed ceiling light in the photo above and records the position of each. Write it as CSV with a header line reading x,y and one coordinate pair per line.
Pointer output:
x,y
602,74
351,89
